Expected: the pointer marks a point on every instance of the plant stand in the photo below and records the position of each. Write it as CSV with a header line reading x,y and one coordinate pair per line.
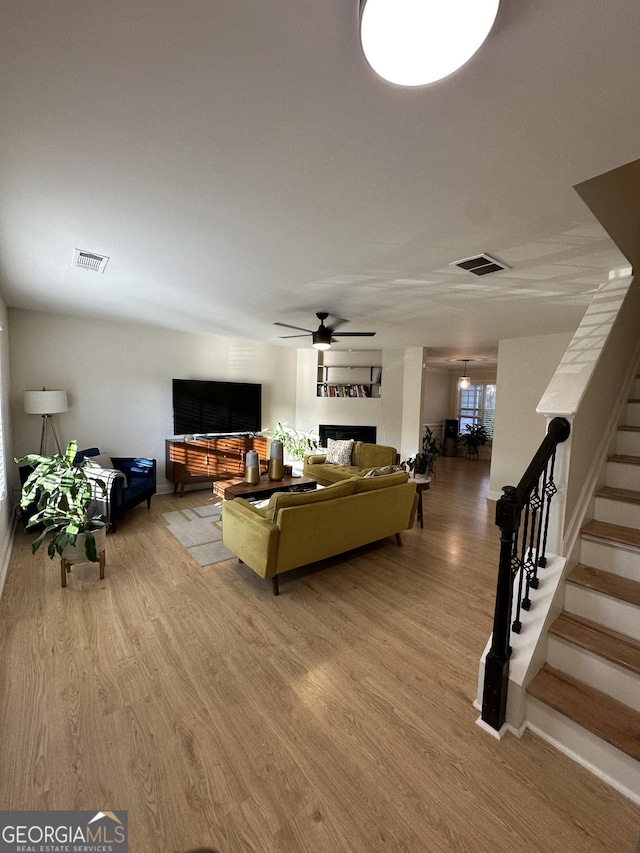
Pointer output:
x,y
76,554
65,566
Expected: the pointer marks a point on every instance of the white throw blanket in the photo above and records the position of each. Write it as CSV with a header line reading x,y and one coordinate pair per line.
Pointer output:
x,y
102,499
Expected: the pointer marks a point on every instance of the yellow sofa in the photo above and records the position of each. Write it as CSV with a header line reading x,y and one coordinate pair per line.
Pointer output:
x,y
364,457
297,528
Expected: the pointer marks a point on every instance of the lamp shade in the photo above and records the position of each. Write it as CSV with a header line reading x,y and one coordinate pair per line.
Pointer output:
x,y
44,402
415,42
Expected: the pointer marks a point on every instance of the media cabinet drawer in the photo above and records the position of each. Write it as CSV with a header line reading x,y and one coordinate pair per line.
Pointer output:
x,y
206,460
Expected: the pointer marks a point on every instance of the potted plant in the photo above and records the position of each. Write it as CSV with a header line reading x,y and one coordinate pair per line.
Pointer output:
x,y
295,443
64,497
474,437
424,461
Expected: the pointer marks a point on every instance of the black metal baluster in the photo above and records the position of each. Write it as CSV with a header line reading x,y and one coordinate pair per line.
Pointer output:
x,y
551,491
514,560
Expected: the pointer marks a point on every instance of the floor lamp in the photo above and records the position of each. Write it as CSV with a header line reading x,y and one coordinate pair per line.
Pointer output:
x,y
47,404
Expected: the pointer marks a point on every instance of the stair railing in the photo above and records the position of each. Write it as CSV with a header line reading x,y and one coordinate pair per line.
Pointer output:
x,y
522,514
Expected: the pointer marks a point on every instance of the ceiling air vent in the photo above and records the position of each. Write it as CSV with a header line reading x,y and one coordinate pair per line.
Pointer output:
x,y
89,260
479,265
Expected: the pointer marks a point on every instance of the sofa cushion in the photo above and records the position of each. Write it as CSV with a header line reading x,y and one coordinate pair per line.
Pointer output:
x,y
279,500
367,484
329,474
339,451
376,455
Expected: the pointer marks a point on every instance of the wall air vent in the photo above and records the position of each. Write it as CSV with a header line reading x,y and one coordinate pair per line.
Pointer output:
x,y
89,260
480,264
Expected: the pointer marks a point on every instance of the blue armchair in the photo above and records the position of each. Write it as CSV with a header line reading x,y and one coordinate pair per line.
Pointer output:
x,y
137,485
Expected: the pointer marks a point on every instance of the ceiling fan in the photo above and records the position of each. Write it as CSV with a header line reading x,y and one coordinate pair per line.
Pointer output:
x,y
324,336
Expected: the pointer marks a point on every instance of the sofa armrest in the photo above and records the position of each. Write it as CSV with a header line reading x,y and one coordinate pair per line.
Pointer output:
x,y
250,536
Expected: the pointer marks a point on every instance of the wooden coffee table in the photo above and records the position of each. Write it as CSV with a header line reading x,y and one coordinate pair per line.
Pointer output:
x,y
238,488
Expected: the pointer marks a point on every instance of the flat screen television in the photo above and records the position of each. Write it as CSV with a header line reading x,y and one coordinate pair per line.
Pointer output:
x,y
203,406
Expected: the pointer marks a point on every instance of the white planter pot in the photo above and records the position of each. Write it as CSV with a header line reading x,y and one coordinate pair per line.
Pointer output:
x,y
77,554
297,466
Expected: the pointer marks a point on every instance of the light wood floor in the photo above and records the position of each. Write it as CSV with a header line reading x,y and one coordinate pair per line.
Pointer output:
x,y
336,717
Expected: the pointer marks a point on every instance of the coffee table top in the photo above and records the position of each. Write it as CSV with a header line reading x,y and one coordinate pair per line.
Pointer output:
x,y
238,488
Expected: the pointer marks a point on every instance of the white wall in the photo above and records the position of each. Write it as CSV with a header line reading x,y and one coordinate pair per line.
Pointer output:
x,y
436,406
412,395
8,501
118,379
525,367
385,412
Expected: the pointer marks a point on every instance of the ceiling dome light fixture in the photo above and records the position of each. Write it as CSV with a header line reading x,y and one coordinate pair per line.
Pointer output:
x,y
415,42
465,381
322,338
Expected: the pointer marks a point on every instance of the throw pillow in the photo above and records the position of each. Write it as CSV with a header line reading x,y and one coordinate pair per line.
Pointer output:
x,y
339,451
101,460
379,472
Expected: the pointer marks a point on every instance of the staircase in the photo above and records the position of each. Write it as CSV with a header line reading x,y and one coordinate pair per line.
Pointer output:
x,y
586,698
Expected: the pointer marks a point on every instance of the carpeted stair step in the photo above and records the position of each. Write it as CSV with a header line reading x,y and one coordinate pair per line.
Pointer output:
x,y
608,644
611,720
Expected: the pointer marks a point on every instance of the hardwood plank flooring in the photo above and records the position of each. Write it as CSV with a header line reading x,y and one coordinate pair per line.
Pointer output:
x,y
625,589
608,644
337,717
611,533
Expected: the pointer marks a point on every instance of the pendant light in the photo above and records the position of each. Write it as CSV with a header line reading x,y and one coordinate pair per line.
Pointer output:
x,y
464,382
415,42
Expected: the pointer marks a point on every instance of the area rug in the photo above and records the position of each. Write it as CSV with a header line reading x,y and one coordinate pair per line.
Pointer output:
x,y
199,530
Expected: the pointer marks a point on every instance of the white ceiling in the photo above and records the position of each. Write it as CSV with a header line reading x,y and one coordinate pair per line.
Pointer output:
x,y
240,163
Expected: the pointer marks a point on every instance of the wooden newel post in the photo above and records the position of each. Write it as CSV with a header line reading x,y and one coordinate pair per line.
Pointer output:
x,y
496,671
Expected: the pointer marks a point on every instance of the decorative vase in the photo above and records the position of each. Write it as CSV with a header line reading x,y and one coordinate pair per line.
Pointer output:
x,y
276,466
252,468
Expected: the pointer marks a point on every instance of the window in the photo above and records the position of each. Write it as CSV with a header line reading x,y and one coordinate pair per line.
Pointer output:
x,y
476,405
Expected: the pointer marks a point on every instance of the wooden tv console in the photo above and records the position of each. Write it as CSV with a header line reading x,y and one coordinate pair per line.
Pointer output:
x,y
204,460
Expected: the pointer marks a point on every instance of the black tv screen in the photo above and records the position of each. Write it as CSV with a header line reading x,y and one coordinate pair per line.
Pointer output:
x,y
202,406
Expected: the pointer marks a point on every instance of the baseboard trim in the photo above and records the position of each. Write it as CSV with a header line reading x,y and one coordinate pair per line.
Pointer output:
x,y
574,756
6,555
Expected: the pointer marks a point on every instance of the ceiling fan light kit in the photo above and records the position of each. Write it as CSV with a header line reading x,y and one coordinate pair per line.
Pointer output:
x,y
324,336
416,42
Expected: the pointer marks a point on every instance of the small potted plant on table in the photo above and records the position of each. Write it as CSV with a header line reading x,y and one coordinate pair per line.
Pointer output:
x,y
67,507
296,444
423,463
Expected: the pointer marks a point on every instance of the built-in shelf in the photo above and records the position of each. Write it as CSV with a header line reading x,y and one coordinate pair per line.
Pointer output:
x,y
350,376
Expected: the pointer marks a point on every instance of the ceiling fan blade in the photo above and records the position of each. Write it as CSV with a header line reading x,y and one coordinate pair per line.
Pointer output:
x,y
354,334
282,337
336,324
287,326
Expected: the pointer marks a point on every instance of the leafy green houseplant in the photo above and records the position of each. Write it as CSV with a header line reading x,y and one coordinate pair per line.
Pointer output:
x,y
423,462
295,443
63,495
474,437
